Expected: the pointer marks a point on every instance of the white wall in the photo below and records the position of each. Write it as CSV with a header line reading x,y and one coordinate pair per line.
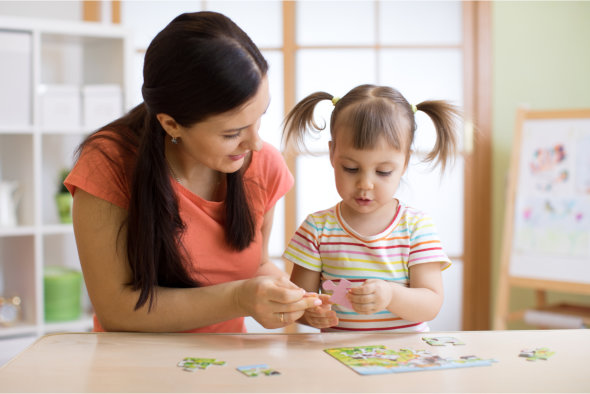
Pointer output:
x,y
69,10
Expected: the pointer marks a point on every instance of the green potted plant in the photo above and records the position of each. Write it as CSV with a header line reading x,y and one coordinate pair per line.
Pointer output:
x,y
63,198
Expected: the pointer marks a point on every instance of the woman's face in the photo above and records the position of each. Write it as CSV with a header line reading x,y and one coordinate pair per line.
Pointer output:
x,y
222,142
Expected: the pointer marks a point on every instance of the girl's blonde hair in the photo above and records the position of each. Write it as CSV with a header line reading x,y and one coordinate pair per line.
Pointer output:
x,y
370,112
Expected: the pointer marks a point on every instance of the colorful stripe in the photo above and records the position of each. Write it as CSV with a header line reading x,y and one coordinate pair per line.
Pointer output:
x,y
325,243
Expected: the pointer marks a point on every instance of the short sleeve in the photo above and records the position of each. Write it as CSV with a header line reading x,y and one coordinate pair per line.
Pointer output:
x,y
425,244
100,171
303,249
276,173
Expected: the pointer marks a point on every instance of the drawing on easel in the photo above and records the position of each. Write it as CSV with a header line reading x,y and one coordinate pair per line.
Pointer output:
x,y
552,213
582,184
546,238
557,226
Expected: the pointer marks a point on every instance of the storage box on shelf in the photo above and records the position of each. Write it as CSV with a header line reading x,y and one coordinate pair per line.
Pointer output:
x,y
15,77
101,103
59,107
60,80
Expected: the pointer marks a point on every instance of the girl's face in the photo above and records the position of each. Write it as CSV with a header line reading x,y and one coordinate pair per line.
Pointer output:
x,y
222,142
366,179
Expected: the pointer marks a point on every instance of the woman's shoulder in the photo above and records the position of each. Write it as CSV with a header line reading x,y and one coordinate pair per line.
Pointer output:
x,y
104,168
269,175
108,147
268,161
268,154
112,141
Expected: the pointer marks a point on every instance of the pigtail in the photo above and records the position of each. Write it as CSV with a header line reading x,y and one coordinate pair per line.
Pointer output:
x,y
301,120
445,117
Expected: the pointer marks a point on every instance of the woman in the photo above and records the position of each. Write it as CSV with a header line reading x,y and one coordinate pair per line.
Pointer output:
x,y
173,203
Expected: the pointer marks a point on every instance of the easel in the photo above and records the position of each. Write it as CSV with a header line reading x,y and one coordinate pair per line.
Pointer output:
x,y
580,284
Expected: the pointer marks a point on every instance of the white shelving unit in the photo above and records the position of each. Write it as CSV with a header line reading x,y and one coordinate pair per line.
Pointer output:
x,y
60,53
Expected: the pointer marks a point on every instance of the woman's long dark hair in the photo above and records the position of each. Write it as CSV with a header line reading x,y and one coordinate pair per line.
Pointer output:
x,y
201,64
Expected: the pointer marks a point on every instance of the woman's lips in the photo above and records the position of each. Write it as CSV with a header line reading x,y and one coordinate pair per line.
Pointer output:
x,y
237,157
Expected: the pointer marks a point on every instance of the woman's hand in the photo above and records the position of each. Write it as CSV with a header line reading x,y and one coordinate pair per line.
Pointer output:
x,y
273,302
373,296
321,316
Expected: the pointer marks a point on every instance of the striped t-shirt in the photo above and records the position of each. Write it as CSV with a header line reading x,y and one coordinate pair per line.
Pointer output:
x,y
326,244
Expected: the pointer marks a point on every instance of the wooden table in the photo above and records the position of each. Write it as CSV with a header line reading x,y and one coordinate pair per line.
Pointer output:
x,y
131,362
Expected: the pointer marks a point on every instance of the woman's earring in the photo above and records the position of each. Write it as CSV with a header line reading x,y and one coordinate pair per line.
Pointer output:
x,y
174,140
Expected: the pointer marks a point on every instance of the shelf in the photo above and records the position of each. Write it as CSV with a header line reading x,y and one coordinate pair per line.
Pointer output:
x,y
66,131
56,229
84,324
50,229
24,129
85,30
559,316
52,53
18,330
17,231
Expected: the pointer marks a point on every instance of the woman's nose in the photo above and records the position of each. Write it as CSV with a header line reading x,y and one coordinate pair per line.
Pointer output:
x,y
253,142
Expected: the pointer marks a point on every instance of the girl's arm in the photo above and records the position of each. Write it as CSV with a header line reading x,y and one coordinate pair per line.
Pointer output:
x,y
306,279
321,316
421,301
107,274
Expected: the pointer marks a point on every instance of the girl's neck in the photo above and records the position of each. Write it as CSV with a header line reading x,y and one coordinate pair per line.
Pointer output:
x,y
372,223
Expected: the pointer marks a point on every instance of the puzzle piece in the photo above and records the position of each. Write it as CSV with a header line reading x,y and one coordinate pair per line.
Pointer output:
x,y
541,353
191,364
339,292
442,341
253,371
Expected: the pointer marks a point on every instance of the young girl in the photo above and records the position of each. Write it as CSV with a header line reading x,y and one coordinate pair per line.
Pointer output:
x,y
389,252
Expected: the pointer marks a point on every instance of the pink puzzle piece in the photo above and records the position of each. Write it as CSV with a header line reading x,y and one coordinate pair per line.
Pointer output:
x,y
339,292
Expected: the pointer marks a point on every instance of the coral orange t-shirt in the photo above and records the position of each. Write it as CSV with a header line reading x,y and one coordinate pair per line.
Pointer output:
x,y
266,179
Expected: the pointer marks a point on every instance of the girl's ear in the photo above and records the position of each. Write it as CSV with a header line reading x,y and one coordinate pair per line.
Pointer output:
x,y
170,126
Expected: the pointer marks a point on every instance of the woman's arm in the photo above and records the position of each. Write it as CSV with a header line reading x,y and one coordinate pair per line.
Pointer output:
x,y
106,273
421,301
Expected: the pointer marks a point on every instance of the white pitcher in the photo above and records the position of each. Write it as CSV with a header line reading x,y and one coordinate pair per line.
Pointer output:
x,y
9,200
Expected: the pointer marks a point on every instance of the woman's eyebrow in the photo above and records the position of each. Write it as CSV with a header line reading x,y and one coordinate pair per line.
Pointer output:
x,y
236,129
244,127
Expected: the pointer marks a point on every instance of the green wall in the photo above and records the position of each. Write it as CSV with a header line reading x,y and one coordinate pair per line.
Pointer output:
x,y
541,59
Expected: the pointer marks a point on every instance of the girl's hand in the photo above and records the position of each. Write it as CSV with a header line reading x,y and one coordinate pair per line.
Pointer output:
x,y
321,316
272,302
373,296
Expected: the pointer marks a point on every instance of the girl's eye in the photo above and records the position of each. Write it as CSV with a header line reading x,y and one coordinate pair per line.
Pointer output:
x,y
350,170
231,136
384,173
